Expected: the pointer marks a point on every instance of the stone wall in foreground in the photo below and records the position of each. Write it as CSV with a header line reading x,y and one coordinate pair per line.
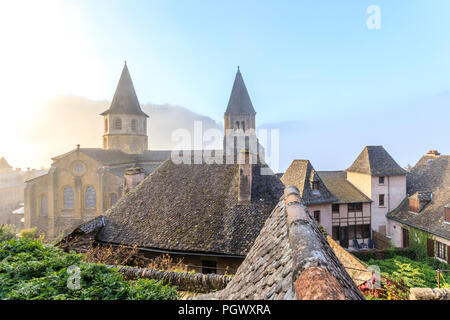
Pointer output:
x,y
429,294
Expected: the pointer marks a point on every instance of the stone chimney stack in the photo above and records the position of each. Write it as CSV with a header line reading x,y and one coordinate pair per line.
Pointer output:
x,y
133,177
245,161
419,200
447,213
433,153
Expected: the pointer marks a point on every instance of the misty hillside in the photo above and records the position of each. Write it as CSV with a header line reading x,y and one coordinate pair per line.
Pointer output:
x,y
76,120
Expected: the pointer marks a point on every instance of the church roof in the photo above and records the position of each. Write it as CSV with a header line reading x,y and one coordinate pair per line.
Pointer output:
x,y
192,208
239,102
116,157
432,174
4,164
125,100
375,160
301,174
288,249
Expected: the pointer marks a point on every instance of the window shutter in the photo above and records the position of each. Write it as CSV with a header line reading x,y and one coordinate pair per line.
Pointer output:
x,y
430,247
448,254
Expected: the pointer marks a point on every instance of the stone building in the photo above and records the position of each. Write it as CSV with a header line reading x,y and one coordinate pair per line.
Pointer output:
x,y
350,204
425,208
208,213
12,185
85,182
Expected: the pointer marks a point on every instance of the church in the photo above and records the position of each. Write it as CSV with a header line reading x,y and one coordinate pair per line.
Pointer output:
x,y
84,182
206,213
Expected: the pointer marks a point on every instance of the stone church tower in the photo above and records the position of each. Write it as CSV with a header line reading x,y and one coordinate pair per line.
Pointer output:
x,y
240,114
125,122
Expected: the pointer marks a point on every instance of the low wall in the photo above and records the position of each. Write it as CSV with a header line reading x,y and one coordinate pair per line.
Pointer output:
x,y
429,294
193,282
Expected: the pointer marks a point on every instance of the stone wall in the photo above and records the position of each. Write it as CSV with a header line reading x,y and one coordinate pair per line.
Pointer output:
x,y
429,294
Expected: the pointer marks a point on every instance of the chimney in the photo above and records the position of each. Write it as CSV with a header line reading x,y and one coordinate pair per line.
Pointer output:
x,y
447,213
433,153
133,177
245,161
419,200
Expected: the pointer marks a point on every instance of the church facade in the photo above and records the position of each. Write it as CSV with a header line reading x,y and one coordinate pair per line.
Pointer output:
x,y
85,182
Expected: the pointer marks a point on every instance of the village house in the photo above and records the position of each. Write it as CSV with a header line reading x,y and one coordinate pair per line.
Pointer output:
x,y
85,182
423,216
208,214
351,205
12,185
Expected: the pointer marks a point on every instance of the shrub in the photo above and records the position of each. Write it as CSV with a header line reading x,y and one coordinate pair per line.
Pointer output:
x,y
7,232
28,233
32,270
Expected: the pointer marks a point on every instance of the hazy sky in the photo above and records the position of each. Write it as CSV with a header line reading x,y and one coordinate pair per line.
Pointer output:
x,y
301,60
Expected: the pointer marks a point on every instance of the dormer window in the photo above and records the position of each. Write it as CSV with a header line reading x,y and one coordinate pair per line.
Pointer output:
x,y
381,180
315,185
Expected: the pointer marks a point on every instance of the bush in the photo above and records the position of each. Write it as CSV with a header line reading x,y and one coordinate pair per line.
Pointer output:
x,y
28,233
31,270
7,232
411,273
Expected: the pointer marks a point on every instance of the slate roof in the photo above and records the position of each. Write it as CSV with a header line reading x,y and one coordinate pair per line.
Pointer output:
x,y
192,208
301,174
375,160
345,192
125,100
431,173
239,102
267,271
116,157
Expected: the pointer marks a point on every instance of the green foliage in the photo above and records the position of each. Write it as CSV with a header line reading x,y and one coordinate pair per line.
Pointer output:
x,y
418,243
28,233
32,270
7,232
411,273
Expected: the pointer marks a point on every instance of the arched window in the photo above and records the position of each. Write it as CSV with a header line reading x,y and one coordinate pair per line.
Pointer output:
x,y
106,125
118,124
112,199
44,206
145,125
237,125
243,125
91,198
104,143
133,125
68,197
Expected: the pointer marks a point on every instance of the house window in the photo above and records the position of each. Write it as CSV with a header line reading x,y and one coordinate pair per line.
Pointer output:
x,y
381,200
118,124
381,180
315,185
355,207
362,231
317,215
68,197
91,197
441,250
209,266
133,125
106,125
335,208
405,238
243,125
112,199
44,205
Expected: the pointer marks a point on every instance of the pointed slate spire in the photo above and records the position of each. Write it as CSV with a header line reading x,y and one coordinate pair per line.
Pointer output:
x,y
239,102
125,100
4,164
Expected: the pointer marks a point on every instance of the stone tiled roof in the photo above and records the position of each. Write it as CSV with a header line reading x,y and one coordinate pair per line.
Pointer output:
x,y
239,102
285,260
375,160
192,208
116,157
301,174
345,192
432,174
125,100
